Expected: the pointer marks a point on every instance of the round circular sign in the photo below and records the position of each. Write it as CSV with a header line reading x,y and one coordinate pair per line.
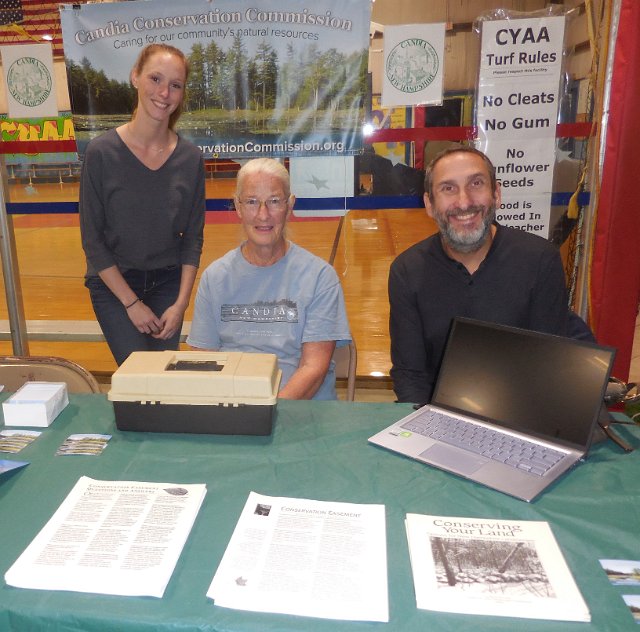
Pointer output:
x,y
412,65
29,81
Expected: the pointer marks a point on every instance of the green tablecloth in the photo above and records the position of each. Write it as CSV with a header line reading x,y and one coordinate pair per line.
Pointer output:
x,y
318,450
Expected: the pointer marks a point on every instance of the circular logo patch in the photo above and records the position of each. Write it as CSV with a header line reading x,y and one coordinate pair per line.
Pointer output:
x,y
29,81
412,65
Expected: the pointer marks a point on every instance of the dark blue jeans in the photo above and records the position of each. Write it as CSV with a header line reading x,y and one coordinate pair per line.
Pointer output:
x,y
157,288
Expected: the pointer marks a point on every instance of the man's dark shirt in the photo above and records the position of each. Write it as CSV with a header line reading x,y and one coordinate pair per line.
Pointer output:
x,y
520,283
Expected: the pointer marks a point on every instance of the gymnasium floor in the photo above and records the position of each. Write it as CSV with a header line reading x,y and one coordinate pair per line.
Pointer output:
x,y
361,247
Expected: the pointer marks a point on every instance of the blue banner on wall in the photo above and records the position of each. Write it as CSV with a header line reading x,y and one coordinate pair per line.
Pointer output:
x,y
285,79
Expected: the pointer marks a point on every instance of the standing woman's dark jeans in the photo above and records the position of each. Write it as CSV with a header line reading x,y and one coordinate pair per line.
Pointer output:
x,y
158,289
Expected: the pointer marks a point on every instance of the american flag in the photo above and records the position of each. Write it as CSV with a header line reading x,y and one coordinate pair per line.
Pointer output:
x,y
29,22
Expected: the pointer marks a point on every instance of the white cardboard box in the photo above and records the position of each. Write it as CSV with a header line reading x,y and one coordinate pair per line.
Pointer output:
x,y
35,404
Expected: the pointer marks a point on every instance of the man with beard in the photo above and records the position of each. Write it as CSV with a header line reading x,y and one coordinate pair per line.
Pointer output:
x,y
473,267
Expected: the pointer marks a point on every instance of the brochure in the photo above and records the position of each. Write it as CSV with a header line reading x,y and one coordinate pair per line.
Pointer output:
x,y
491,566
10,466
111,537
13,441
88,444
306,557
622,572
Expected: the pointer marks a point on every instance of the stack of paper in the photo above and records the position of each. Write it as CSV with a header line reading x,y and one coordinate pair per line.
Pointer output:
x,y
111,537
9,466
35,404
490,566
306,557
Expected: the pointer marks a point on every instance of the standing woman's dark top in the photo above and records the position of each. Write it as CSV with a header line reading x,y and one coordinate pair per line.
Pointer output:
x,y
142,206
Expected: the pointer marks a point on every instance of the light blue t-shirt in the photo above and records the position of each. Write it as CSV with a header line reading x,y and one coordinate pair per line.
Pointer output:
x,y
272,309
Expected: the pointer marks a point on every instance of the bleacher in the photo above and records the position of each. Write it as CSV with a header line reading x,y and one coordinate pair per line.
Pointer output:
x,y
44,173
69,172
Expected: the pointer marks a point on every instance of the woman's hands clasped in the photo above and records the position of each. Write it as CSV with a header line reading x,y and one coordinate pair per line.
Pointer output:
x,y
145,321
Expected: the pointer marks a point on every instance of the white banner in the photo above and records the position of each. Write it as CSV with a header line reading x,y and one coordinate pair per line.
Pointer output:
x,y
525,171
29,80
269,78
413,64
517,111
322,177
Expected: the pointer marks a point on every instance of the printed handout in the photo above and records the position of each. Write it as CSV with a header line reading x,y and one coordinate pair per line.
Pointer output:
x,y
622,572
10,466
306,557
13,441
493,567
87,444
633,603
111,537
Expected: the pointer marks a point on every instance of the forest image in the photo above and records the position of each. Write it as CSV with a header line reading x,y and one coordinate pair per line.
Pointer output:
x,y
233,94
510,567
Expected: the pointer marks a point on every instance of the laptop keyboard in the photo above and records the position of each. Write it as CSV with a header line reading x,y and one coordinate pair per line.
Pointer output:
x,y
518,453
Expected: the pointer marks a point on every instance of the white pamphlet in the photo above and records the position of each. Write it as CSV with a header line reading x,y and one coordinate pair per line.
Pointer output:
x,y
111,537
491,566
306,557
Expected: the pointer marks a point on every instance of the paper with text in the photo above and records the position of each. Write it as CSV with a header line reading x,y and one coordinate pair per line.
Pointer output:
x,y
10,466
111,537
511,568
306,557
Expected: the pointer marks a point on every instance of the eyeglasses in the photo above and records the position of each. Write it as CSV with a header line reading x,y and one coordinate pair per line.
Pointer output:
x,y
272,204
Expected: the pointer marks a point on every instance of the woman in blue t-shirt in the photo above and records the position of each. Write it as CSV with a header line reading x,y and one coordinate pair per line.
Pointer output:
x,y
271,296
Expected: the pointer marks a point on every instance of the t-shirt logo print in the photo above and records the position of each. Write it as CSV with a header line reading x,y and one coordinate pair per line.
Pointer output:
x,y
282,311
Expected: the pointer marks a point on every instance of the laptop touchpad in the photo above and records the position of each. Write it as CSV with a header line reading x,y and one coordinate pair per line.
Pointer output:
x,y
453,459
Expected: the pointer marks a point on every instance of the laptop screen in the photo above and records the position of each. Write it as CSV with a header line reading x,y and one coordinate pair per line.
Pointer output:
x,y
547,386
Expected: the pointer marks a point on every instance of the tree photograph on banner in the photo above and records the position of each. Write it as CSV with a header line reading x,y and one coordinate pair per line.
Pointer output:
x,y
280,80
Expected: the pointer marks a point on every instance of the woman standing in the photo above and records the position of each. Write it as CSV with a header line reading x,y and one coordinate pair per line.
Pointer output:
x,y
142,206
270,295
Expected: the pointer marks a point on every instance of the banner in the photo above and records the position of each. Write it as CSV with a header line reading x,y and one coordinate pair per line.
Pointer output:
x,y
517,111
28,21
323,177
33,140
284,79
29,80
33,131
413,64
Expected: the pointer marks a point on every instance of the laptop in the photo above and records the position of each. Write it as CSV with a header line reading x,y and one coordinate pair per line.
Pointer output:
x,y
512,409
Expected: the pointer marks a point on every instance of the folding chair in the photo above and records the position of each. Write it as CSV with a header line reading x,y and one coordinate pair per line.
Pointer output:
x,y
16,370
346,360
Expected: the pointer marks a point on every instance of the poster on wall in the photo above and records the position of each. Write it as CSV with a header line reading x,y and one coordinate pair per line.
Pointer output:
x,y
29,80
517,111
413,64
32,110
276,78
48,138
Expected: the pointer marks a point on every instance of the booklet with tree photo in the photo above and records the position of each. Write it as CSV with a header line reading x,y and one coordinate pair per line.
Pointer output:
x,y
496,567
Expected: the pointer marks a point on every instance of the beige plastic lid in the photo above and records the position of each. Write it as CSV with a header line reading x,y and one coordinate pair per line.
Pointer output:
x,y
197,377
